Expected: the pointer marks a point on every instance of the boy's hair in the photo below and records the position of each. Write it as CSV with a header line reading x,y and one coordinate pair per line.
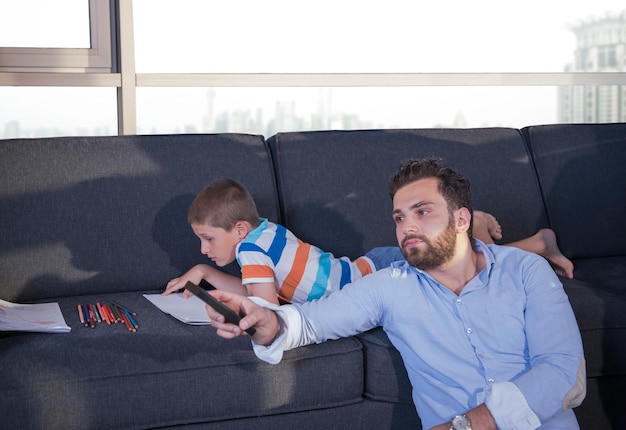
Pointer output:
x,y
454,188
222,204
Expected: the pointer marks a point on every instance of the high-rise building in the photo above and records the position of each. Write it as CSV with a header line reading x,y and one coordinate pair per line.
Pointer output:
x,y
600,47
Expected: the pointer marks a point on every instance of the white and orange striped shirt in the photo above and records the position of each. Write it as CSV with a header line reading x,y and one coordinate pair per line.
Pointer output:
x,y
300,271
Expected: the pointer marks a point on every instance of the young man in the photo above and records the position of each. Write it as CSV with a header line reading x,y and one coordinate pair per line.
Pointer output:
x,y
486,332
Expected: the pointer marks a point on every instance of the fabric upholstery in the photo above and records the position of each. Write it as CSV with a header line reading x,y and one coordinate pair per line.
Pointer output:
x,y
339,179
581,170
167,373
107,214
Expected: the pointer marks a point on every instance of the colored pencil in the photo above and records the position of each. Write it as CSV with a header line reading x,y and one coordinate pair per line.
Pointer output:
x,y
127,322
132,320
116,313
103,313
81,316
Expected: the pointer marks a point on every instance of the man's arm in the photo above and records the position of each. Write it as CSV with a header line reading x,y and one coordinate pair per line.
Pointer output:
x,y
555,379
355,309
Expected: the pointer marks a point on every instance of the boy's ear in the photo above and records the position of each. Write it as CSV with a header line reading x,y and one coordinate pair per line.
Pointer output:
x,y
241,227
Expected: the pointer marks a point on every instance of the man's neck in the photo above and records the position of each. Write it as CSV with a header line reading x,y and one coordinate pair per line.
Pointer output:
x,y
462,268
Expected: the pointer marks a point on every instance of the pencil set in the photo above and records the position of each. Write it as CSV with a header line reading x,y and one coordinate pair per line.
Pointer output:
x,y
109,313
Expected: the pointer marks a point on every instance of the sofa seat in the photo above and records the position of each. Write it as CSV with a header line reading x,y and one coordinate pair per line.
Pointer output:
x,y
606,273
386,378
166,374
602,322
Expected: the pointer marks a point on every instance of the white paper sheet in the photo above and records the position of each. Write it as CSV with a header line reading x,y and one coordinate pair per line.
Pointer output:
x,y
40,317
190,311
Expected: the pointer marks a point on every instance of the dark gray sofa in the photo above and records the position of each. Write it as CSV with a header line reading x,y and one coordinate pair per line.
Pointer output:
x,y
104,219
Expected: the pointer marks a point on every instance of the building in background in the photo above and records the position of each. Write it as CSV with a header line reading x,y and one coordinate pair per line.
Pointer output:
x,y
601,47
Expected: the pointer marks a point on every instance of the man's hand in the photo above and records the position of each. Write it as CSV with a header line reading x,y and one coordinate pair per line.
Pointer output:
x,y
480,418
262,319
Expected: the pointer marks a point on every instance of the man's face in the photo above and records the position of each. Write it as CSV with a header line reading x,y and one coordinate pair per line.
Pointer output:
x,y
425,229
216,243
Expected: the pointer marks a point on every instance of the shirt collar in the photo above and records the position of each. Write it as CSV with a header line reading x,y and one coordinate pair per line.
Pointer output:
x,y
478,246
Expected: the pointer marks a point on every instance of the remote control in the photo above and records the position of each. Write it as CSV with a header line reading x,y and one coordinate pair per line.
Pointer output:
x,y
230,315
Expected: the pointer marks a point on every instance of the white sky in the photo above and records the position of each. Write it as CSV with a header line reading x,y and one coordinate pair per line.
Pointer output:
x,y
359,35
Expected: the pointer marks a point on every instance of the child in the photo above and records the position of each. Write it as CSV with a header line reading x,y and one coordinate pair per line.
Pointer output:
x,y
276,265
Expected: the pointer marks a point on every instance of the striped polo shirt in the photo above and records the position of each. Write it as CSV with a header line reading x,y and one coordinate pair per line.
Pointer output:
x,y
300,271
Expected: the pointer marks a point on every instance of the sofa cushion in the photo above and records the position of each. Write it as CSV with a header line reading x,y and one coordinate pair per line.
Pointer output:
x,y
605,273
386,378
333,184
581,171
106,214
602,321
166,374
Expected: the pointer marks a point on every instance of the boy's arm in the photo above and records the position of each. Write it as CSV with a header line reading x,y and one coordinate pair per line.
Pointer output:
x,y
266,291
215,277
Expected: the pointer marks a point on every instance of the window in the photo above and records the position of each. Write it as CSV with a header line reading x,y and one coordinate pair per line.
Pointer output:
x,y
356,36
267,111
27,24
31,38
158,66
57,111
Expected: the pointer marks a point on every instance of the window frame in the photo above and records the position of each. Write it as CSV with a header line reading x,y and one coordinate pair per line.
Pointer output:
x,y
99,58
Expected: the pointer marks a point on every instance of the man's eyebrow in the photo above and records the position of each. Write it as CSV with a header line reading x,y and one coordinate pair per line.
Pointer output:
x,y
414,206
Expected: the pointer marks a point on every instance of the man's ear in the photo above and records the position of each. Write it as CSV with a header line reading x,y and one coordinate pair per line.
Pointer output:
x,y
463,220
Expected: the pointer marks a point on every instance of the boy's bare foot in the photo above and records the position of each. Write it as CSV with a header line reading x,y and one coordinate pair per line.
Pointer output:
x,y
486,227
544,243
551,252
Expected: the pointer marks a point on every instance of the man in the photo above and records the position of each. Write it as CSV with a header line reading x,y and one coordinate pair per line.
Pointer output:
x,y
486,332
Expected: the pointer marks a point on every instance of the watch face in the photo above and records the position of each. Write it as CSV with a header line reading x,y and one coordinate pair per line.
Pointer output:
x,y
460,422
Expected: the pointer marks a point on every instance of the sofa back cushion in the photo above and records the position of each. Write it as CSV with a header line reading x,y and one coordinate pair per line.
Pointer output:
x,y
333,184
582,171
106,214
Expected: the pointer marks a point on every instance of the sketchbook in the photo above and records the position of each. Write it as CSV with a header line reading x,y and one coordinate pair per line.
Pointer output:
x,y
40,317
189,310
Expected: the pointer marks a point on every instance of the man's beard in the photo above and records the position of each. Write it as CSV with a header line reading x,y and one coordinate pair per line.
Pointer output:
x,y
438,250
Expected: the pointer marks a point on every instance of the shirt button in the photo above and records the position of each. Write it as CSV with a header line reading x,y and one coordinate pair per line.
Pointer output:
x,y
491,381
458,301
469,330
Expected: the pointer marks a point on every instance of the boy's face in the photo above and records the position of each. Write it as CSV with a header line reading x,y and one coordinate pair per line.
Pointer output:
x,y
216,243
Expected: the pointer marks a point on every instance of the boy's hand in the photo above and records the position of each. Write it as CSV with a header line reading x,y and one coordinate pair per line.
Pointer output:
x,y
262,319
175,285
195,275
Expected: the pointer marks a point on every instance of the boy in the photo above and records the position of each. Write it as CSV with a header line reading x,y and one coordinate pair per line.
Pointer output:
x,y
274,263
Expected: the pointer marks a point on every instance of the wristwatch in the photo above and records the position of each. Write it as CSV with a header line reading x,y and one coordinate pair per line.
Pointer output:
x,y
461,422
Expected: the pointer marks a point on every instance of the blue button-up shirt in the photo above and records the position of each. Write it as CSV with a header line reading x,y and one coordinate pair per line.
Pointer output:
x,y
509,340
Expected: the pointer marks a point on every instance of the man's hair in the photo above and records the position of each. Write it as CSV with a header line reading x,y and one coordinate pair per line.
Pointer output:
x,y
222,204
454,188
